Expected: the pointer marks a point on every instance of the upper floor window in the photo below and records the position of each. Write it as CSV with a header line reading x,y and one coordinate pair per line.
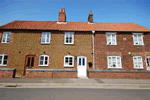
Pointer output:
x,y
46,37
3,59
138,39
6,37
138,63
69,38
111,38
43,60
114,62
68,61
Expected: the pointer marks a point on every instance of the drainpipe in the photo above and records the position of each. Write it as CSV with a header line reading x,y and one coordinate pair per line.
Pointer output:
x,y
93,50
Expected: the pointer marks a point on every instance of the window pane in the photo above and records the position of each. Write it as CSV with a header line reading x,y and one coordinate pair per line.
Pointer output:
x,y
0,59
32,62
70,59
109,41
140,36
42,58
66,60
108,36
113,41
41,62
83,61
113,36
43,39
9,35
28,63
70,63
114,59
45,62
70,39
67,40
5,62
5,57
48,37
8,39
79,61
4,39
46,58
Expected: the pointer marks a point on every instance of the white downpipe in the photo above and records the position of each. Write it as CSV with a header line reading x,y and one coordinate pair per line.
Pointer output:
x,y
93,50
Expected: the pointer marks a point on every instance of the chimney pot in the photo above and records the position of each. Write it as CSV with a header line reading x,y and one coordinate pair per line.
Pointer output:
x,y
90,17
62,15
63,9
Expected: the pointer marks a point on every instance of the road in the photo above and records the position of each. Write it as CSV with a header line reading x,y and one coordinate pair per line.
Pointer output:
x,y
72,94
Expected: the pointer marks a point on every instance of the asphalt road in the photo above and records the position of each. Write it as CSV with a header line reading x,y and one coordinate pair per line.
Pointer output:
x,y
72,94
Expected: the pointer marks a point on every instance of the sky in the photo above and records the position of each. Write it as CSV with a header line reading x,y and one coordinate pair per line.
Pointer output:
x,y
137,11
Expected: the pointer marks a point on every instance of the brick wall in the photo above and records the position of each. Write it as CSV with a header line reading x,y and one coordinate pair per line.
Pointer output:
x,y
6,74
29,43
124,45
51,74
132,75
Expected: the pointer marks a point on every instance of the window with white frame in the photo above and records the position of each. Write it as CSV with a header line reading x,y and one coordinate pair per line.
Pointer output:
x,y
69,38
138,39
111,38
68,61
138,63
6,37
3,59
45,37
43,60
114,62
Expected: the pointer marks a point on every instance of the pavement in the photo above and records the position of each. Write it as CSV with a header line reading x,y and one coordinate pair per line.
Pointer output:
x,y
74,83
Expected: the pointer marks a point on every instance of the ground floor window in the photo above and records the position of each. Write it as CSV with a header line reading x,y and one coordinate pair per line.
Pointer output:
x,y
68,61
138,63
114,62
3,59
43,60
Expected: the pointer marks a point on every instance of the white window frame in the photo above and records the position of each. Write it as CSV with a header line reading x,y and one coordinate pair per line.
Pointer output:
x,y
46,38
116,62
72,37
137,62
111,33
44,60
138,39
67,64
1,64
6,38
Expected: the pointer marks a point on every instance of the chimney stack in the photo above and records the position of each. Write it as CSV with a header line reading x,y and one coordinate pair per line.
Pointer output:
x,y
90,18
62,15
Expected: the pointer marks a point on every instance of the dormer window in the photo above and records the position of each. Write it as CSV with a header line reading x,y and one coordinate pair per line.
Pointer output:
x,y
111,38
69,38
138,39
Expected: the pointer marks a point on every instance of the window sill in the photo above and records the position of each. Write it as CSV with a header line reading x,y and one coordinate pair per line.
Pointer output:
x,y
45,43
43,65
114,68
68,66
139,45
68,43
5,43
111,45
138,68
3,65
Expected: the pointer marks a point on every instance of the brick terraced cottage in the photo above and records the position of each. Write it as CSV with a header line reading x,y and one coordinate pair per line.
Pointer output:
x,y
74,49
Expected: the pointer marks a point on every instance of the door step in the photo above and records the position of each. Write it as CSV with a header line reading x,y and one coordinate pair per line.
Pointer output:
x,y
83,78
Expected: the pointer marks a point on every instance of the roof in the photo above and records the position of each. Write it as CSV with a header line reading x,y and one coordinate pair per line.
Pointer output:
x,y
73,26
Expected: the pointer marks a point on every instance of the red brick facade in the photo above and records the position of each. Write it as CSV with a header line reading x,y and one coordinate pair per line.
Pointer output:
x,y
132,75
6,74
51,74
124,45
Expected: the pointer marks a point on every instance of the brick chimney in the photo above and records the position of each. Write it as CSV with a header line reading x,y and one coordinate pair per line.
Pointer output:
x,y
90,18
62,15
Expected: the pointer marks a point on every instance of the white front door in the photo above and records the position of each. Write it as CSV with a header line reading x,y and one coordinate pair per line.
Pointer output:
x,y
148,63
82,66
